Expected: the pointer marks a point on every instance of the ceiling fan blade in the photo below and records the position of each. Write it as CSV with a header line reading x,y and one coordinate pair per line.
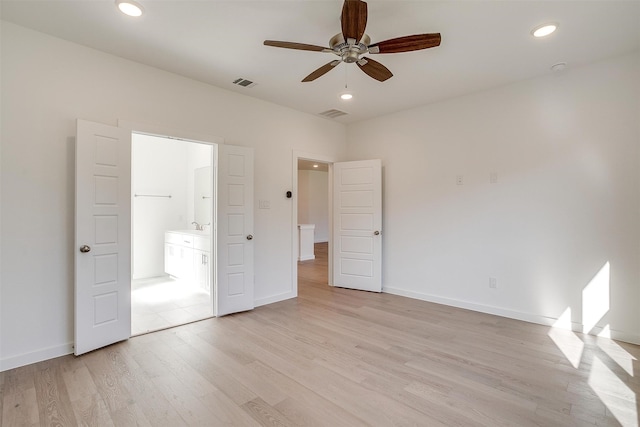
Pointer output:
x,y
292,45
321,71
406,44
354,19
374,69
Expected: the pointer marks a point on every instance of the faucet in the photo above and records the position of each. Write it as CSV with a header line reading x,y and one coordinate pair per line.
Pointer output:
x,y
198,226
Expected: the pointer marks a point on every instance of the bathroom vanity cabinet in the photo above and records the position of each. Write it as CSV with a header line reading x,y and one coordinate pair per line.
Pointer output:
x,y
187,256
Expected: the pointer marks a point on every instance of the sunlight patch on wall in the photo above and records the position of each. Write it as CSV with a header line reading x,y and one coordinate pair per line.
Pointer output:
x,y
605,332
568,342
613,392
595,299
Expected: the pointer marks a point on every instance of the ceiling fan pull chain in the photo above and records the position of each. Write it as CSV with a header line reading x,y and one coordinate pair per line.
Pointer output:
x,y
346,77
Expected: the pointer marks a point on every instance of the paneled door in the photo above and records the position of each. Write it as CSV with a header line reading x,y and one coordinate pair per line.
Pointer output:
x,y
235,230
357,222
103,236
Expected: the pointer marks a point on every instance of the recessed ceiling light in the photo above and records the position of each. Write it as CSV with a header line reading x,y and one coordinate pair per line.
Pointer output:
x,y
129,7
315,166
544,30
346,96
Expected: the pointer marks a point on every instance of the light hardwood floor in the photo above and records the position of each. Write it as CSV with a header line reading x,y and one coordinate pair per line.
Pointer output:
x,y
336,357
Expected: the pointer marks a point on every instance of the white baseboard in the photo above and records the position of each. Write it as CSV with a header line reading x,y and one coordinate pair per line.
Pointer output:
x,y
65,349
275,298
35,356
512,314
306,258
616,335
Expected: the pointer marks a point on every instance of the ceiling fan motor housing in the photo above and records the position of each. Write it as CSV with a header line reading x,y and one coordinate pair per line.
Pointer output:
x,y
349,53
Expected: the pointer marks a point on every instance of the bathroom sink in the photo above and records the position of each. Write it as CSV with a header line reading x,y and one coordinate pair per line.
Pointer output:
x,y
206,233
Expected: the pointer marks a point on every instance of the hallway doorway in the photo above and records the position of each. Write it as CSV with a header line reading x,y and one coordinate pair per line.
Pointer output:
x,y
313,220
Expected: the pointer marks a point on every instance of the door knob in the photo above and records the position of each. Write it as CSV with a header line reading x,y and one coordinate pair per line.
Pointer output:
x,y
85,248
249,237
377,233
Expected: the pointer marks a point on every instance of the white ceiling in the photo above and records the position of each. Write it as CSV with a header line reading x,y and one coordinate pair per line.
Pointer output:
x,y
484,44
308,165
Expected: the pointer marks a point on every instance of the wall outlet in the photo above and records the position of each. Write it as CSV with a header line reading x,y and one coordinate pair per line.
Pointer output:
x,y
493,282
459,180
264,204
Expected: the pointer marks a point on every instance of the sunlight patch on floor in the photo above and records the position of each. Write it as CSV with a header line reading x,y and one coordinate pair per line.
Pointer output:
x,y
567,341
614,393
607,383
165,291
618,354
164,302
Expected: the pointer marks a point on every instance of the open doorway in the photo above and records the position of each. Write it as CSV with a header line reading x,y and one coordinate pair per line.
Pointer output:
x,y
172,207
313,222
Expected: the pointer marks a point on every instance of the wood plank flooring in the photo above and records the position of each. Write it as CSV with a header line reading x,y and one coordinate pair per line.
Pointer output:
x,y
336,357
315,270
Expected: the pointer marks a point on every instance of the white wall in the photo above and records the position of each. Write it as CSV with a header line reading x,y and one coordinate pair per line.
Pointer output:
x,y
46,84
313,202
567,201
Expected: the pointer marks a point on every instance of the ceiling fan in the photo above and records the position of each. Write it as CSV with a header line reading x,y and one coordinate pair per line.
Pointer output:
x,y
352,43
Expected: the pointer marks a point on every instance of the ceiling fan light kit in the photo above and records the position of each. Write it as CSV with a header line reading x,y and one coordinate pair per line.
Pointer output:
x,y
353,43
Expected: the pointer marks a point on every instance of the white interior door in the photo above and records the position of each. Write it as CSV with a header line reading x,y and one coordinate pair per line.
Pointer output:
x,y
235,230
103,236
357,225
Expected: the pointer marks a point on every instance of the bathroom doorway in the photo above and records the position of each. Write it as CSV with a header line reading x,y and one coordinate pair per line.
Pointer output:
x,y
172,217
313,223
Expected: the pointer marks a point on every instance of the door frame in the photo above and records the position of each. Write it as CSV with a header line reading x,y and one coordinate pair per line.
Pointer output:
x,y
170,133
329,160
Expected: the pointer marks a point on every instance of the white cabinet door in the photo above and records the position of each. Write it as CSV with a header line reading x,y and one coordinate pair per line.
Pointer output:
x,y
171,259
186,263
103,236
201,269
235,230
179,255
357,222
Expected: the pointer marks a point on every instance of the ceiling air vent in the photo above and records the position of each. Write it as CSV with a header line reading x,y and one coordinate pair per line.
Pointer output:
x,y
244,82
332,114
